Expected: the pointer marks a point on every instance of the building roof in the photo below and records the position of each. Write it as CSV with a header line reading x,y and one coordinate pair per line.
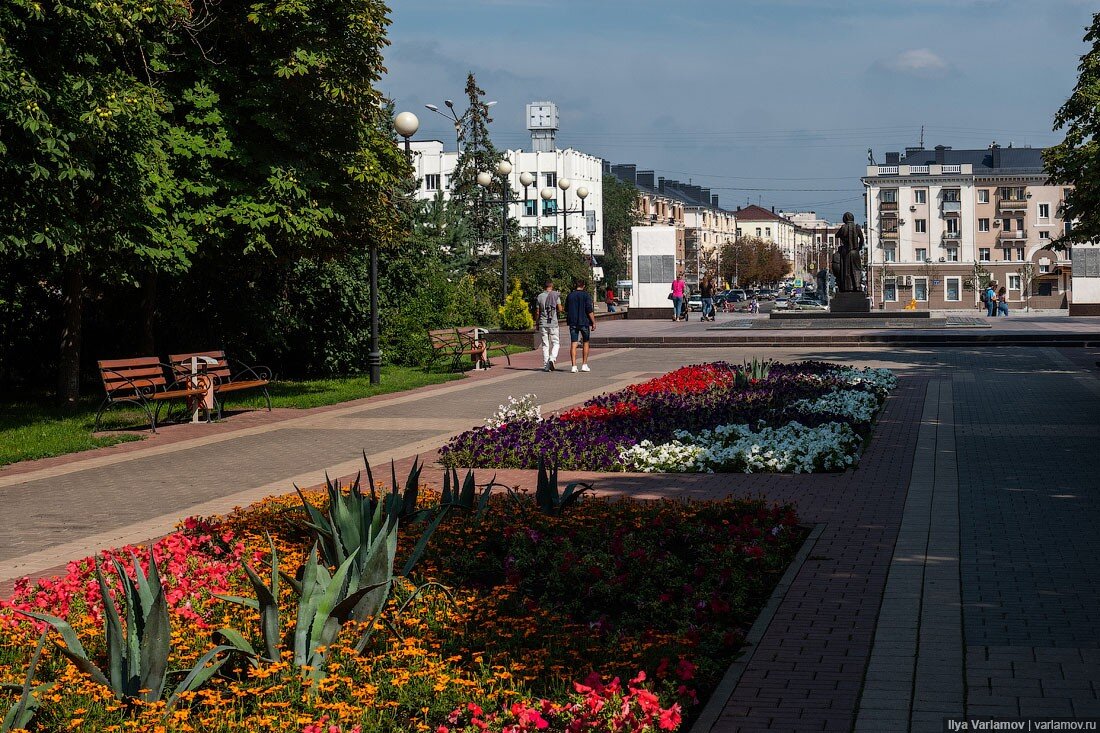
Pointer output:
x,y
647,182
987,161
752,212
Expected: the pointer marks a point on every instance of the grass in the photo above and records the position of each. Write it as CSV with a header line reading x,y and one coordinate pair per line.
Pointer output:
x,y
31,427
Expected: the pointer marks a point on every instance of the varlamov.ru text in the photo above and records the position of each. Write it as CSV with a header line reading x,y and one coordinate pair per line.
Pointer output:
x,y
1027,725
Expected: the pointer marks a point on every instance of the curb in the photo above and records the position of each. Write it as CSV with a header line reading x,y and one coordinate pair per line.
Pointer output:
x,y
712,711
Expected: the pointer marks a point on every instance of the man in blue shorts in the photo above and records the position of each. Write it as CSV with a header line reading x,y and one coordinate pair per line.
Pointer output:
x,y
581,322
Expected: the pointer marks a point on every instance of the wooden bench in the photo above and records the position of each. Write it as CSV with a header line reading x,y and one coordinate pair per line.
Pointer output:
x,y
228,376
458,343
143,382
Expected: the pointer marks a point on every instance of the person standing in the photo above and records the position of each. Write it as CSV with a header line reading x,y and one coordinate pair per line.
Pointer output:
x,y
1002,302
706,292
991,299
678,286
609,300
581,321
547,308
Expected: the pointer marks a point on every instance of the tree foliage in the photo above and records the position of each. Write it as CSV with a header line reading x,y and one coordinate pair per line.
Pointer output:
x,y
532,262
515,315
620,213
753,261
1076,160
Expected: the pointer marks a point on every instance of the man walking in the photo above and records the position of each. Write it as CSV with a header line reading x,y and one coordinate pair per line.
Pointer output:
x,y
546,315
581,320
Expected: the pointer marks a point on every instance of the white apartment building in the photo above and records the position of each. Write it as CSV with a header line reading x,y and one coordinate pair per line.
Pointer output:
x,y
940,218
549,220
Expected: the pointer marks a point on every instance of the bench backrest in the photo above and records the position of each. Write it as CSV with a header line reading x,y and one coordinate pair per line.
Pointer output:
x,y
443,338
124,375
220,371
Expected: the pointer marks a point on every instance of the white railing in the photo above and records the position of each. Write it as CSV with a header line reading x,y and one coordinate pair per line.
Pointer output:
x,y
918,169
887,170
952,169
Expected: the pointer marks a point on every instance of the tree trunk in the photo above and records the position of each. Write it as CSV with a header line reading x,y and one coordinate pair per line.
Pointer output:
x,y
68,366
146,338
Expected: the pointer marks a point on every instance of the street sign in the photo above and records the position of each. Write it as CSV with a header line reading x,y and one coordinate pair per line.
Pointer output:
x,y
590,222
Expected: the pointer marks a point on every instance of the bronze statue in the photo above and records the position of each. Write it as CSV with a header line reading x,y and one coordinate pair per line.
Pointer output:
x,y
848,258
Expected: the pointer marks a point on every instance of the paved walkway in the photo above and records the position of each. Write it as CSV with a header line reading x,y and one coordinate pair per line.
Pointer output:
x,y
954,571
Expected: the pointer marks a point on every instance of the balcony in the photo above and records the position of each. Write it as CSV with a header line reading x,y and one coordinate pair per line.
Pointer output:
x,y
918,169
887,170
951,207
888,206
889,234
951,169
1012,204
951,236
1012,236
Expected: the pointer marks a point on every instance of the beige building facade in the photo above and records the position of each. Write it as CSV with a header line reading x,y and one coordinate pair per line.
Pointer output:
x,y
943,221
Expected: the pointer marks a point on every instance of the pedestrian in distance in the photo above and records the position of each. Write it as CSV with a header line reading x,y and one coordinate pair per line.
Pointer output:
x,y
678,286
609,300
706,293
1002,302
989,299
547,308
581,321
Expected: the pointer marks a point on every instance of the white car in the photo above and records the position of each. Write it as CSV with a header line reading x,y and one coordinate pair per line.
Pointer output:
x,y
806,304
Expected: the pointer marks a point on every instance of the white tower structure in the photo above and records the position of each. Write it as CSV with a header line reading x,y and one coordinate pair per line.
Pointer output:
x,y
542,121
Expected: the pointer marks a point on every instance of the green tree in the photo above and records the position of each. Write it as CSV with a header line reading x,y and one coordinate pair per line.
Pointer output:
x,y
1076,160
620,213
478,154
532,262
515,315
753,261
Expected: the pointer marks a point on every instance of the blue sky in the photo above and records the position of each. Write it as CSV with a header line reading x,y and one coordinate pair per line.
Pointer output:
x,y
747,94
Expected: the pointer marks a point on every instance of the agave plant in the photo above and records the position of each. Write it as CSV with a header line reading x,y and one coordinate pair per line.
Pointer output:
x,y
137,653
463,498
22,712
751,373
547,496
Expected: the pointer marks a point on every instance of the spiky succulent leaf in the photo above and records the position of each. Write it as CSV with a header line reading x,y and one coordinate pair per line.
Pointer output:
x,y
156,638
72,648
200,673
22,712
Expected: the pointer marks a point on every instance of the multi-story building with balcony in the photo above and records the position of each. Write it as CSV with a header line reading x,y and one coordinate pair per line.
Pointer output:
x,y
793,240
942,220
702,226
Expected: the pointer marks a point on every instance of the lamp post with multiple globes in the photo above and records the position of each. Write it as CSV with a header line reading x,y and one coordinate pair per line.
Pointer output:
x,y
549,193
485,180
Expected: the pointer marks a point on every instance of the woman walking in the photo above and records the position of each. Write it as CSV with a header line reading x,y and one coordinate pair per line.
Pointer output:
x,y
678,286
706,292
1002,302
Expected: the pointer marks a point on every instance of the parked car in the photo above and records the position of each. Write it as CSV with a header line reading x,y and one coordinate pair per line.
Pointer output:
x,y
695,302
737,295
806,304
765,294
781,301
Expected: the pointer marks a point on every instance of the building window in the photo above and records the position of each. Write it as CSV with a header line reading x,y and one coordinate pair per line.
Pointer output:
x,y
1043,269
983,225
1006,225
431,182
530,207
550,234
922,254
920,196
529,232
1019,225
1006,254
888,196
952,254
767,231
758,231
952,289
738,231
1044,235
1013,193
951,194
983,195
1019,254
889,254
920,226
551,179
890,290
1067,226
549,208
983,254
920,289
1044,212
444,181
1013,282
953,227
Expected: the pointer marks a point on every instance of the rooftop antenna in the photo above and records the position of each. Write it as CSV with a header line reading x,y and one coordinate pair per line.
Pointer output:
x,y
922,137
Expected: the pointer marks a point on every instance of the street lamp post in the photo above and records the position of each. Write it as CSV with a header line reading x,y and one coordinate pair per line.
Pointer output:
x,y
485,180
406,125
454,117
548,194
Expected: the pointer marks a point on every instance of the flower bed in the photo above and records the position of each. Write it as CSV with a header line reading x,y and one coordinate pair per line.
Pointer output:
x,y
801,417
618,616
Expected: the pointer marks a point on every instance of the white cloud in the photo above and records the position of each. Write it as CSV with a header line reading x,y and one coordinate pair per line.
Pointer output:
x,y
920,62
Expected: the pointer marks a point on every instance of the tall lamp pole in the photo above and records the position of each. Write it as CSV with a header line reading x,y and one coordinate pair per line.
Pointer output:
x,y
454,117
582,193
485,180
406,125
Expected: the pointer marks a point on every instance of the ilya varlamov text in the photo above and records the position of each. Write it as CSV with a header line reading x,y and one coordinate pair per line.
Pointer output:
x,y
1028,725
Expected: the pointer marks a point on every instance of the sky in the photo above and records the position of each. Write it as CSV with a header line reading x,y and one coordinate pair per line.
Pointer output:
x,y
771,102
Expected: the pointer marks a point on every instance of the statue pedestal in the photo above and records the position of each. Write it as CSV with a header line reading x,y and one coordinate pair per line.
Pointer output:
x,y
849,303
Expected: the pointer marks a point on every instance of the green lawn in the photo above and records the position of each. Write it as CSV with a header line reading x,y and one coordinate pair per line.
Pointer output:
x,y
30,427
